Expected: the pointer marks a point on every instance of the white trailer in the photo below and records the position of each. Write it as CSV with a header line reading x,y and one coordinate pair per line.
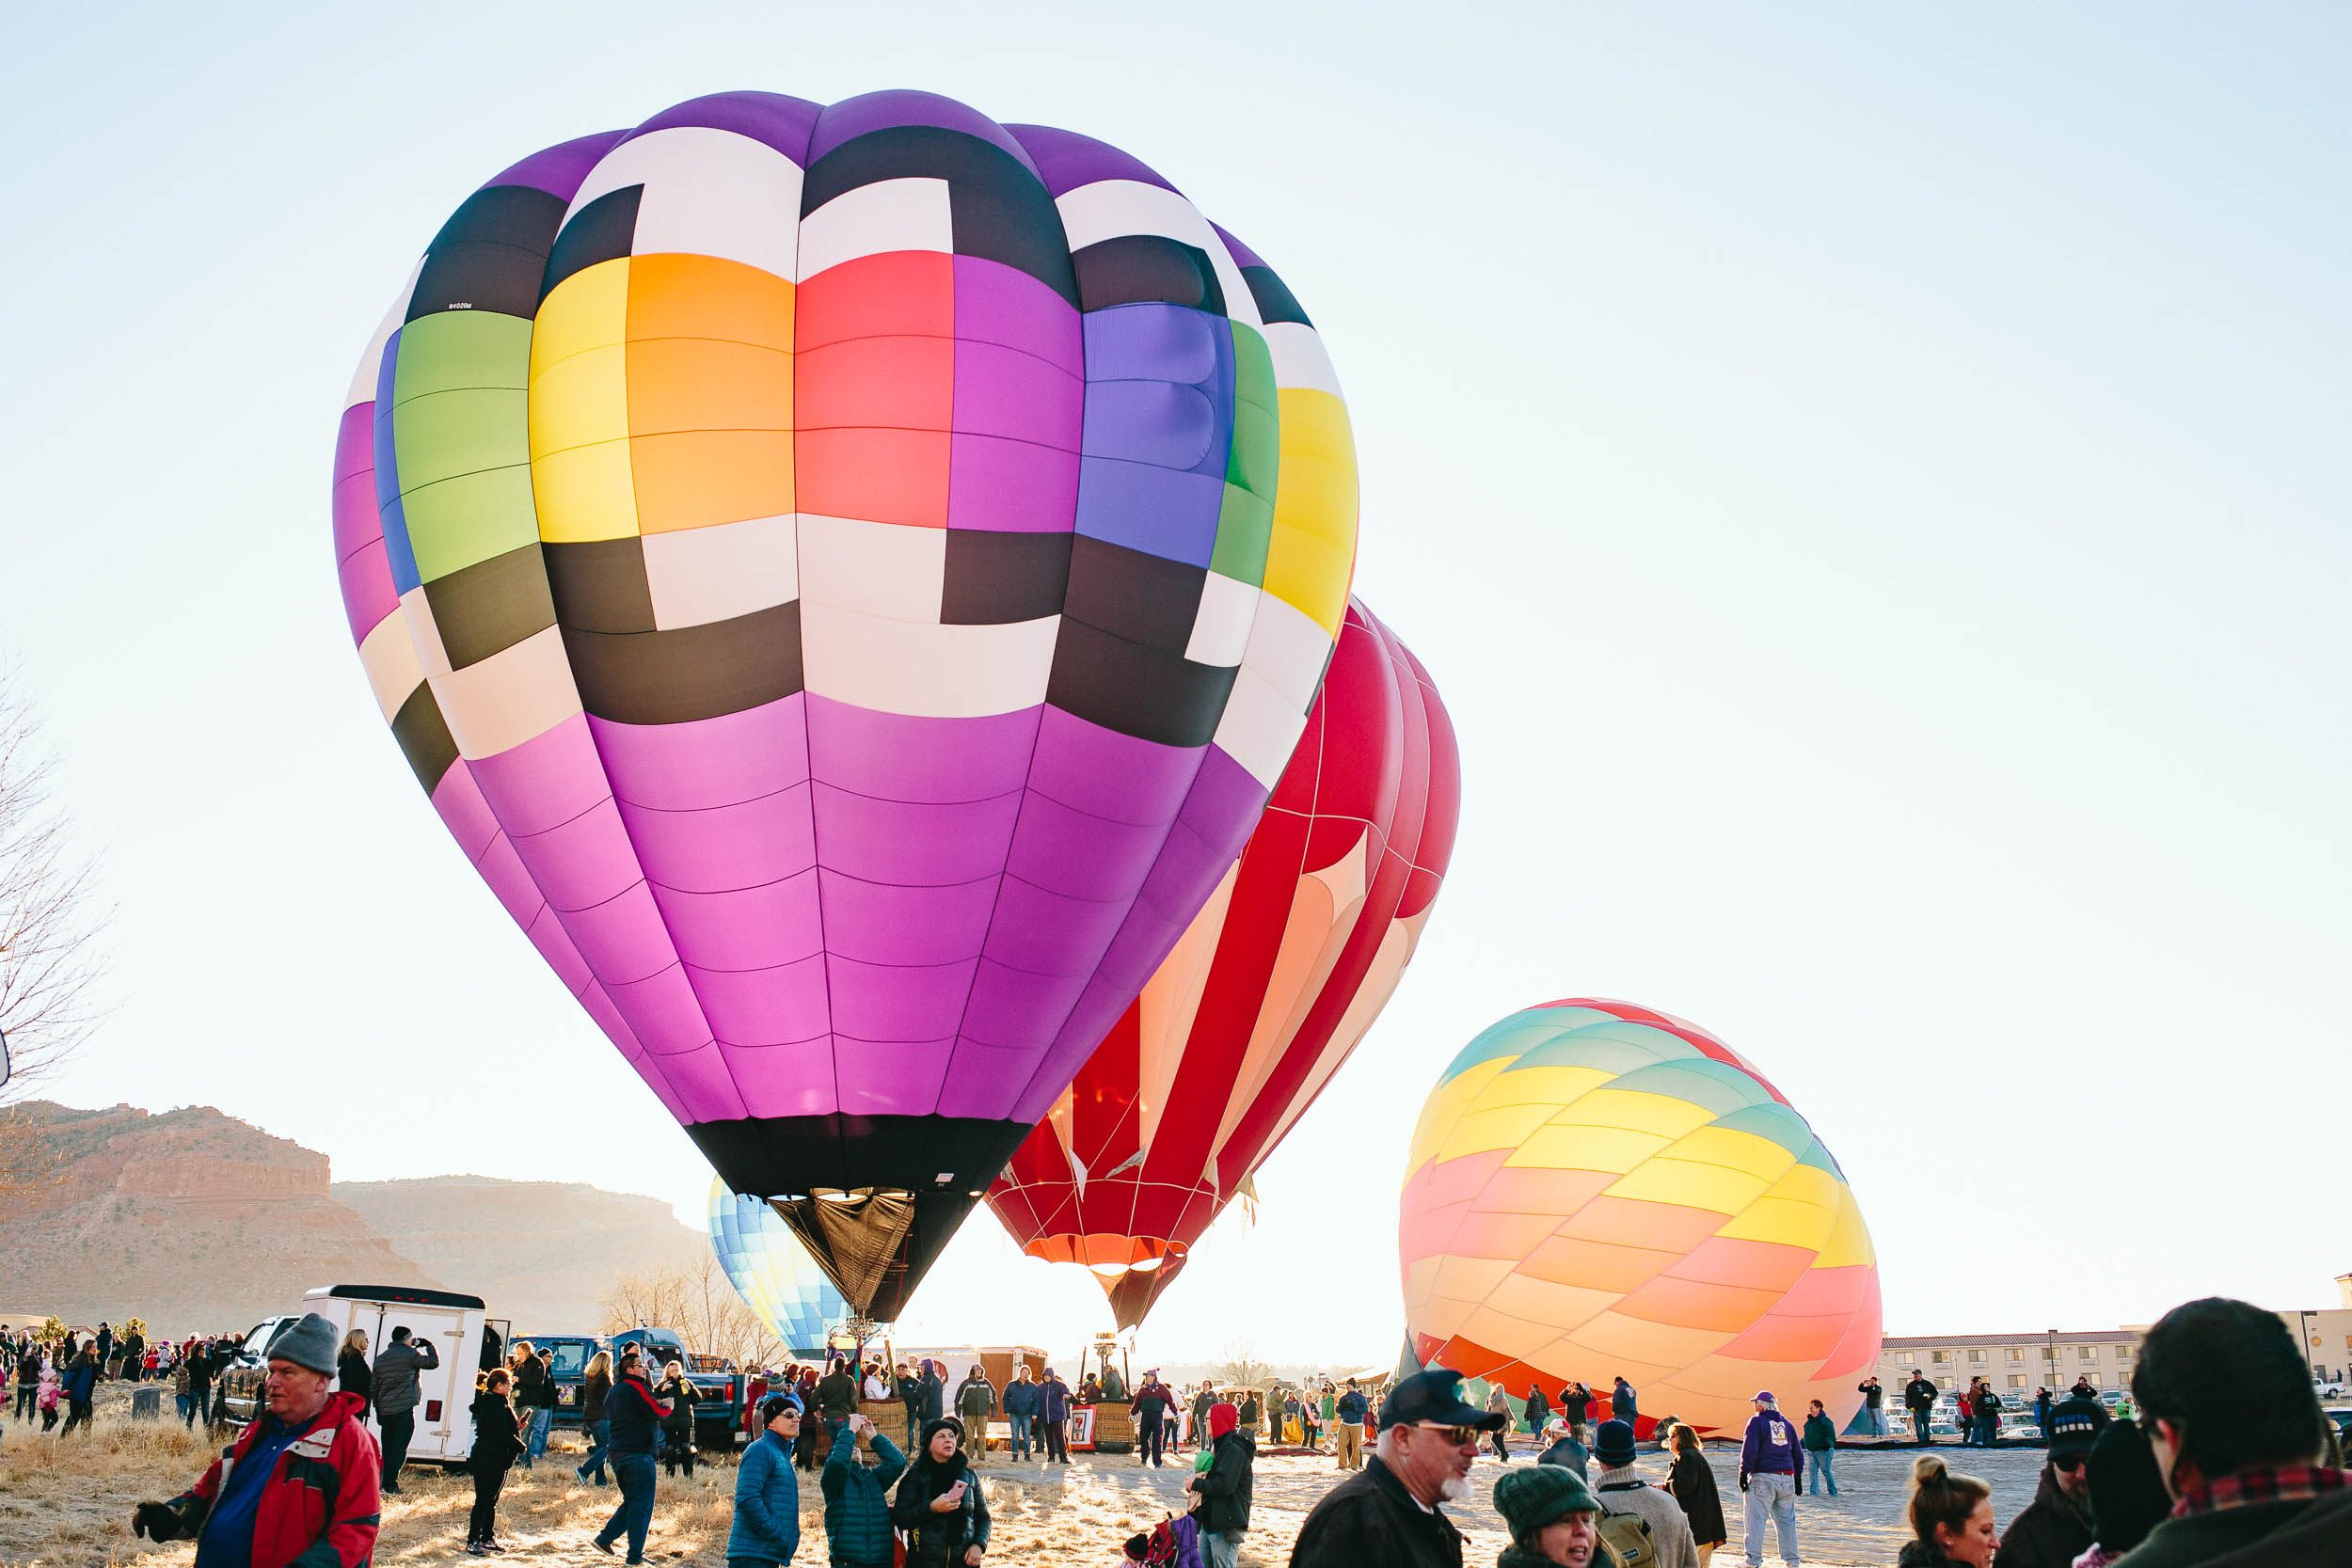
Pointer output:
x,y
452,1323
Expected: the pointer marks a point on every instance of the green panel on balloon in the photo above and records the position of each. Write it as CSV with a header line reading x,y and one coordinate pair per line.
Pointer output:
x,y
459,522
459,350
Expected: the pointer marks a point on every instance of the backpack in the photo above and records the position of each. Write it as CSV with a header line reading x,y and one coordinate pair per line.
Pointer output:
x,y
1173,1544
1627,1534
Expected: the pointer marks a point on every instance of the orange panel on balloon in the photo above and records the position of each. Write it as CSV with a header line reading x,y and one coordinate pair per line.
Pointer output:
x,y
677,295
1594,1265
1781,1337
1729,1261
1689,1304
877,476
1499,1235
1825,1293
699,383
1524,1191
1460,1180
701,477
1634,1222
1433,1230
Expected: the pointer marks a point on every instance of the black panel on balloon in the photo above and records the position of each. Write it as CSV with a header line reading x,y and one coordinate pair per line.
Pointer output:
x,y
1137,691
671,677
425,739
490,255
1133,269
601,232
994,580
1276,303
490,606
600,584
1131,595
998,209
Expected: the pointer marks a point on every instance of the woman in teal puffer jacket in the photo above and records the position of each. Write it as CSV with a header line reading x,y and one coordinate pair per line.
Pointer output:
x,y
767,1492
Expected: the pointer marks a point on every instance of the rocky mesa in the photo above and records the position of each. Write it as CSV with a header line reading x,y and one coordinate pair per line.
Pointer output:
x,y
197,1221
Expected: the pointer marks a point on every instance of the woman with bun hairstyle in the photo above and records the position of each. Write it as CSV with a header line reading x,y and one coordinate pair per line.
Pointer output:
x,y
1951,1518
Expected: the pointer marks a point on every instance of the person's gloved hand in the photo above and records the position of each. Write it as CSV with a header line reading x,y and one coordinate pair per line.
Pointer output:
x,y
156,1521
1743,1483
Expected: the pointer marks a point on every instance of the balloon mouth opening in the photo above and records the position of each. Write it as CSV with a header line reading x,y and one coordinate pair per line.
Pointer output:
x,y
1113,1271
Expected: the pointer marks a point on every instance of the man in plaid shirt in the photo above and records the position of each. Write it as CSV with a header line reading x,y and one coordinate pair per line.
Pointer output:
x,y
2234,1425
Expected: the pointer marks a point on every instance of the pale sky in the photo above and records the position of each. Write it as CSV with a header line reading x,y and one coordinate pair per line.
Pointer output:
x,y
1859,477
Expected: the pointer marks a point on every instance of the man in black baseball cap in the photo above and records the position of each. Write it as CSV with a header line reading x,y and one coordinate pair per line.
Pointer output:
x,y
1387,1516
2055,1529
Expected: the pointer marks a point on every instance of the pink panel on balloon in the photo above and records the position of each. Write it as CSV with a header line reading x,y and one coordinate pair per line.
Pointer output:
x,y
545,782
901,841
584,862
718,847
623,938
880,923
1070,852
706,762
782,1079
780,1007
458,800
662,1010
892,1078
749,929
885,1001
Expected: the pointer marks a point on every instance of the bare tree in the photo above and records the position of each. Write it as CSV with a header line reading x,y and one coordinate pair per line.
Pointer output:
x,y
697,1300
50,960
1241,1365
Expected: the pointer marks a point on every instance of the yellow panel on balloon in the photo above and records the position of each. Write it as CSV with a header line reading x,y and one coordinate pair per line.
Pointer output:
x,y
1694,1186
1783,1222
1608,1148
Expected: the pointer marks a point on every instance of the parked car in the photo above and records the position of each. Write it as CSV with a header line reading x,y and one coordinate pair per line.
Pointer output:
x,y
567,1366
2329,1388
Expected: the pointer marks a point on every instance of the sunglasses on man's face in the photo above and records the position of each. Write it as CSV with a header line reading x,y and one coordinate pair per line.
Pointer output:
x,y
1459,1436
2070,1463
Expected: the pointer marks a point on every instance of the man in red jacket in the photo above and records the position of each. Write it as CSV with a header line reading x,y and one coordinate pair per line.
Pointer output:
x,y
298,1489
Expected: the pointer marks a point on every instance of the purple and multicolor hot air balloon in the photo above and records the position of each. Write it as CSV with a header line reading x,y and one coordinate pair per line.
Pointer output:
x,y
849,577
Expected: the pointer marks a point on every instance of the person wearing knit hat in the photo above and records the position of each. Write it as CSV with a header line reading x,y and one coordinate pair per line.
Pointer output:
x,y
310,1343
2055,1529
1553,1518
260,1501
1622,1490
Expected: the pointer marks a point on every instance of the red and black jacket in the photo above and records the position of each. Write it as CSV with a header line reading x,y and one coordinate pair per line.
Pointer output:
x,y
320,1507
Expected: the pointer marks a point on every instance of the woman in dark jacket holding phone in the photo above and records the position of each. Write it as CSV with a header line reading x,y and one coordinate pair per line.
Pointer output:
x,y
496,1444
939,1503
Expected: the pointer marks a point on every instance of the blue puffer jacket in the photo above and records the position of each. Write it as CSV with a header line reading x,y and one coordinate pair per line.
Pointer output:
x,y
1020,1398
767,1503
857,1500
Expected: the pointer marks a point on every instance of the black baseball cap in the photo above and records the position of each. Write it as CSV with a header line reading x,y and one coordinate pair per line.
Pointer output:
x,y
1436,1395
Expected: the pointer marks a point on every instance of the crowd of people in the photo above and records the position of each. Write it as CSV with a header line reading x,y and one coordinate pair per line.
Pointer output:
x,y
2227,1461
56,1374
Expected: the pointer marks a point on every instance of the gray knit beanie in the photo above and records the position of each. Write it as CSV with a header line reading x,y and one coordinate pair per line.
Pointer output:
x,y
309,1343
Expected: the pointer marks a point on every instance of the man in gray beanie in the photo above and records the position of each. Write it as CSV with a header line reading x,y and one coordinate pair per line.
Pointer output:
x,y
1622,1490
300,1485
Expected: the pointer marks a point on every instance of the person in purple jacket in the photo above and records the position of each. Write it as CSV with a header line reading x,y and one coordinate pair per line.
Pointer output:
x,y
1767,1474
1052,1408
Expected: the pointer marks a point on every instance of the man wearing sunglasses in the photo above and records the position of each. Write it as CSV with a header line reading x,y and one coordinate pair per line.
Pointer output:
x,y
2055,1529
1386,1515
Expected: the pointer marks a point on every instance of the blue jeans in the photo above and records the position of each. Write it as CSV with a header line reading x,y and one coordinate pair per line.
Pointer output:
x,y
542,1417
1021,1437
1221,1548
1919,1420
599,1435
1775,1496
1818,1474
634,1471
188,1407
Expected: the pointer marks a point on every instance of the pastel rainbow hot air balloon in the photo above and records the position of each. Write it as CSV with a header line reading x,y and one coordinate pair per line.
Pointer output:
x,y
849,578
1598,1190
1279,977
772,1271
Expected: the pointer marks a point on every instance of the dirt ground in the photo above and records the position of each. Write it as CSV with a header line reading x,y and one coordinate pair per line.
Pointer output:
x,y
67,1504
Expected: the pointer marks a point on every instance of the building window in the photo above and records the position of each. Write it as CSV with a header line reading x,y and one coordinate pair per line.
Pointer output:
x,y
2015,1355
2087,1353
1943,1382
2017,1380
2123,1352
2049,1353
1937,1356
1975,1358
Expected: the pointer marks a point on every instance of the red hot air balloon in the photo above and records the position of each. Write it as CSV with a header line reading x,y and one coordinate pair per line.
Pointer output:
x,y
1265,995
